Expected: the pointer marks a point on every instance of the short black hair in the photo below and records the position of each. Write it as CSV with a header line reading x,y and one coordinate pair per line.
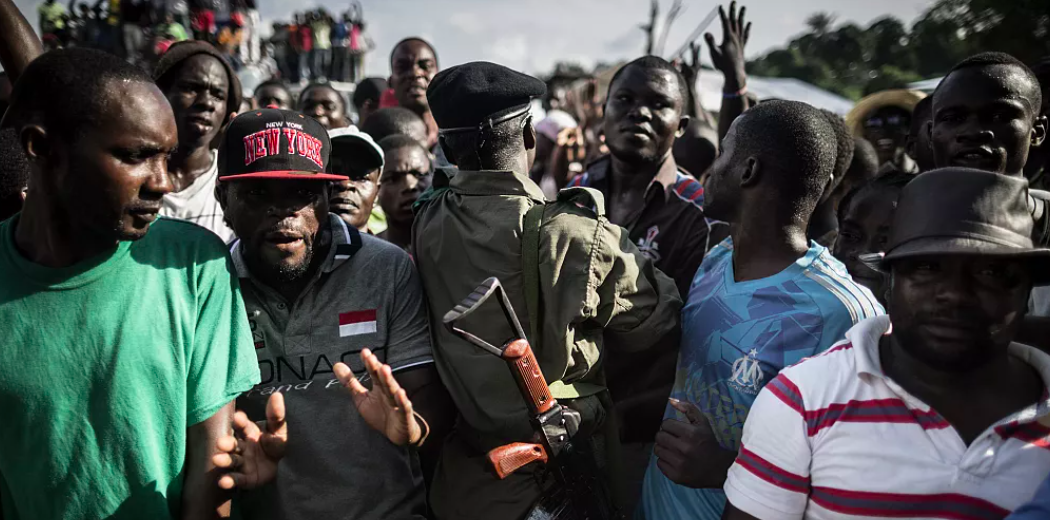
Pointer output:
x,y
273,83
369,89
408,40
389,121
656,63
843,144
490,146
797,146
921,114
397,142
65,89
321,84
988,59
894,179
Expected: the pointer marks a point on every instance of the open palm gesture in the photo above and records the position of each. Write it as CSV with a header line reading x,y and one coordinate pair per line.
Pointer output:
x,y
250,456
729,56
385,407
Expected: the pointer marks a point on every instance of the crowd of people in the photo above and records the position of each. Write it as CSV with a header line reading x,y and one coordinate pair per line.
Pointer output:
x,y
220,305
314,45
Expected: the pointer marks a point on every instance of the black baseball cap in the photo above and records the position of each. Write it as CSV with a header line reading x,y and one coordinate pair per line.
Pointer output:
x,y
275,144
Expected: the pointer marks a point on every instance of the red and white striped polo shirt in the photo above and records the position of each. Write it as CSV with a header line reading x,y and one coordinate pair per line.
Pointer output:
x,y
833,437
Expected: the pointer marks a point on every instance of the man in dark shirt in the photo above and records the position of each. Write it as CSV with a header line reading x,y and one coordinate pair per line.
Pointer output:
x,y
661,208
986,115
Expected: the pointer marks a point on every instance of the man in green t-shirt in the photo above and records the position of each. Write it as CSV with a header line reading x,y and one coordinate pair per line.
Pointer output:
x,y
125,337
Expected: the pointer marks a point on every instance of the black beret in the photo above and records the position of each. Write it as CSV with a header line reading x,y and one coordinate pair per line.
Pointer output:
x,y
470,94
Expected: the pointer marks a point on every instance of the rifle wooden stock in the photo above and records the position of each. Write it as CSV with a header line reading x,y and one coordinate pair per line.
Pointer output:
x,y
507,459
527,374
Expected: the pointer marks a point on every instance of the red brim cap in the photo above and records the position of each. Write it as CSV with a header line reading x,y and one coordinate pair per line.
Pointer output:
x,y
294,175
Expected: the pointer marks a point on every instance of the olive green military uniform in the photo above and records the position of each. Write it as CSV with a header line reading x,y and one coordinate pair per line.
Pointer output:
x,y
596,291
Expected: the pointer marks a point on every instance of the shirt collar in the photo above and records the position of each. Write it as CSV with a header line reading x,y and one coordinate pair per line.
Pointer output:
x,y
345,242
490,182
865,337
663,182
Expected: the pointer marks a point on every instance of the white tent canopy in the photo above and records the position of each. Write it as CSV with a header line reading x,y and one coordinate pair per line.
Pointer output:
x,y
710,89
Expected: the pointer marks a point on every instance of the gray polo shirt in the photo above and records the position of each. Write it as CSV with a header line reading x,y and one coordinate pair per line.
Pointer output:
x,y
366,294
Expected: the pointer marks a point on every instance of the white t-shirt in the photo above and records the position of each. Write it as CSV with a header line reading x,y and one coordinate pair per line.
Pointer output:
x,y
197,203
834,438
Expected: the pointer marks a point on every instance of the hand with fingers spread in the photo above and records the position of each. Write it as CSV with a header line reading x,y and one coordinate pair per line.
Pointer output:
x,y
250,456
729,56
687,451
386,407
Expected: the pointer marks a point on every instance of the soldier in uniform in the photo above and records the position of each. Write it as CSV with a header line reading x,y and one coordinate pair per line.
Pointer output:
x,y
595,289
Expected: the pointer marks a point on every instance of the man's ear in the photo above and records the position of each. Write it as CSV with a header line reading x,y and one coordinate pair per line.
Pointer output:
x,y
683,124
529,134
752,171
36,143
1039,130
221,193
446,150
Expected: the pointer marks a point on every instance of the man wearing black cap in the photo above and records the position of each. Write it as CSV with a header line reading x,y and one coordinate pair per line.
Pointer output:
x,y
317,293
585,284
205,93
942,415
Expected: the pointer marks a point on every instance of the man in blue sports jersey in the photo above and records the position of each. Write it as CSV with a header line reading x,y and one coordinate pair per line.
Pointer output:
x,y
763,299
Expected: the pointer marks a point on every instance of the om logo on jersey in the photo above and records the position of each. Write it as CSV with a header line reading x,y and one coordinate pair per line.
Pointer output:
x,y
747,373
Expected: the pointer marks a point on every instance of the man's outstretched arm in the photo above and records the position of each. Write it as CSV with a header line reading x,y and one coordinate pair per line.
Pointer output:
x,y
201,496
19,45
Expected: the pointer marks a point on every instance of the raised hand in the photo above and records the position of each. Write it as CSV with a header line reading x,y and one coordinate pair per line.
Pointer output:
x,y
386,407
729,56
250,456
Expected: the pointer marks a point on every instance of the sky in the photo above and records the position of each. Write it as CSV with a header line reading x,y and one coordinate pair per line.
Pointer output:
x,y
532,35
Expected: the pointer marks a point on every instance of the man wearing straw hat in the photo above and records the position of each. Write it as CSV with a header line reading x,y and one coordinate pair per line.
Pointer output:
x,y
884,119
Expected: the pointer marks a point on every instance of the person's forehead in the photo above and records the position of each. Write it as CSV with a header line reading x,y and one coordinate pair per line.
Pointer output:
x,y
639,79
406,156
203,67
318,94
271,91
984,85
122,105
413,50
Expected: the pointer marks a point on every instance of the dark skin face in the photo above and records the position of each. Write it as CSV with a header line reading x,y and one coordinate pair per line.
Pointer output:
x,y
865,228
406,174
956,312
983,118
110,178
353,199
722,189
324,105
643,115
413,66
273,95
198,97
278,222
887,130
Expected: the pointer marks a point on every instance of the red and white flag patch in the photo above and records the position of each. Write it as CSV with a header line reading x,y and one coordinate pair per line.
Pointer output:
x,y
357,323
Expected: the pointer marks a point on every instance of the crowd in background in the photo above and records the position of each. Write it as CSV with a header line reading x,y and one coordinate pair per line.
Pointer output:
x,y
313,45
709,295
